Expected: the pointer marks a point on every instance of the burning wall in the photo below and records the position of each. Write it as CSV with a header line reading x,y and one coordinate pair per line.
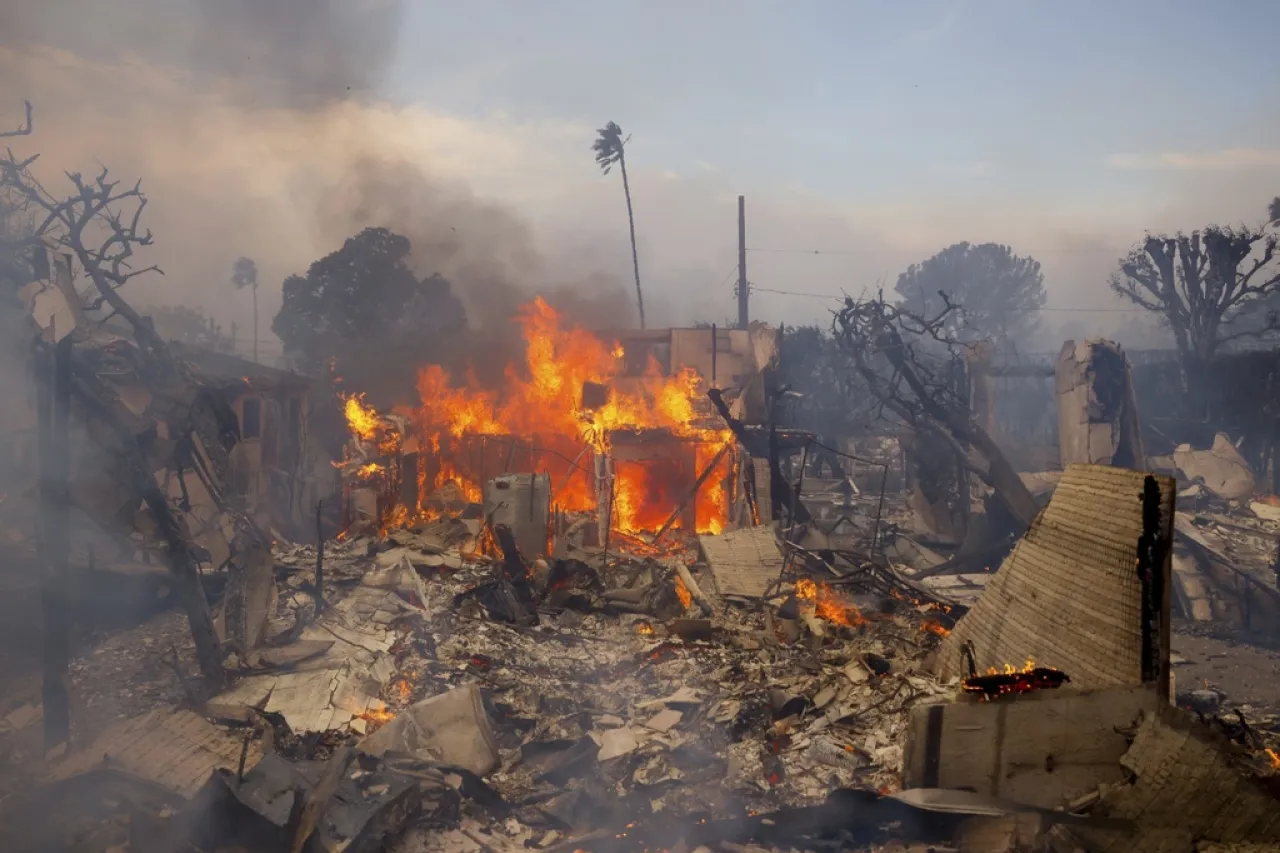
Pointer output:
x,y
608,435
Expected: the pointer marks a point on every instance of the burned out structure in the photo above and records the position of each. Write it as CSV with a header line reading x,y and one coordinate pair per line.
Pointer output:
x,y
637,443
276,469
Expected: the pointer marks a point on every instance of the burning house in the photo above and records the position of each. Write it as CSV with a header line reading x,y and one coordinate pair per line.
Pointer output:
x,y
618,422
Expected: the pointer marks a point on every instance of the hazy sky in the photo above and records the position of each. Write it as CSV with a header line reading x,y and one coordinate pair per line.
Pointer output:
x,y
875,132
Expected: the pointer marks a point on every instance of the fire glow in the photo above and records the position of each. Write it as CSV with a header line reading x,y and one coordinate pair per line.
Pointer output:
x,y
682,592
537,420
829,604
1010,680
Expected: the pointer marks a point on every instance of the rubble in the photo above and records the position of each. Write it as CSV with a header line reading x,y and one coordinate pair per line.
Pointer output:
x,y
1221,468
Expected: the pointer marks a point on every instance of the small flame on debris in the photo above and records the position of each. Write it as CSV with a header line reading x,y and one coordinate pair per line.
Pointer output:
x,y
1010,669
1275,759
644,628
933,627
682,592
829,604
376,717
1010,680
405,689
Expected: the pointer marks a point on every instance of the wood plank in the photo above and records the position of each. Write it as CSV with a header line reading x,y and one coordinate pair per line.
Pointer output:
x,y
1044,749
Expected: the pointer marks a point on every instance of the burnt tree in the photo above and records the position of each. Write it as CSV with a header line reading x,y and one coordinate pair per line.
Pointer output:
x,y
1198,284
914,370
98,226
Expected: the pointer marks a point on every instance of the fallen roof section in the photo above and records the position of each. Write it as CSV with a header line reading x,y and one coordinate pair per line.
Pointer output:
x,y
1185,790
1070,596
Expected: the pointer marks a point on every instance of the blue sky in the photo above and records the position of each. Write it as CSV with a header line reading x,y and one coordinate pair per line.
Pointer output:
x,y
868,98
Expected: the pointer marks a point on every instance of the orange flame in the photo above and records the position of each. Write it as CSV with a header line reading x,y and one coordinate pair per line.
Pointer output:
x,y
377,717
1010,669
362,420
645,628
682,592
930,626
829,604
1275,759
536,421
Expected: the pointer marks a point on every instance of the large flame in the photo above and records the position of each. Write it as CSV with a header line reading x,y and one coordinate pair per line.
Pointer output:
x,y
537,422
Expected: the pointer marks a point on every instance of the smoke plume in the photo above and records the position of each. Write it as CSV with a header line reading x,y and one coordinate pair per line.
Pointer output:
x,y
263,129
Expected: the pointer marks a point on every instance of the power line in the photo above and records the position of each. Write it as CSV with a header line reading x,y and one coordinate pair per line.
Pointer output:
x,y
1029,310
877,251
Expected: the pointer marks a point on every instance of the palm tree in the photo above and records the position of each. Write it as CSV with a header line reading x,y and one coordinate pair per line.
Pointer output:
x,y
244,274
609,147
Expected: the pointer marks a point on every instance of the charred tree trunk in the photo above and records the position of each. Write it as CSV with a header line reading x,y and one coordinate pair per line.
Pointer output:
x,y
53,377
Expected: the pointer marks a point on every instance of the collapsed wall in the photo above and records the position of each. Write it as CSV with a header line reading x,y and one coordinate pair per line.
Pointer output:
x,y
1072,594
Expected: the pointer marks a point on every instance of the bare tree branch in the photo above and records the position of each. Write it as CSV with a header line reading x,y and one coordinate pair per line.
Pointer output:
x,y
26,128
911,365
1200,283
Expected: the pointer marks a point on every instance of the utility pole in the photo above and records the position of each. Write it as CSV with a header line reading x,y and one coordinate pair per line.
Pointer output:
x,y
744,315
53,415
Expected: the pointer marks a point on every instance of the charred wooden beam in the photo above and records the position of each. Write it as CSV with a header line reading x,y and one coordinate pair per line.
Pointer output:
x,y
54,420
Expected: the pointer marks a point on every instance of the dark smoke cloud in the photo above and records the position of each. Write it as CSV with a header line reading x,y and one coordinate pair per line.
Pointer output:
x,y
483,249
297,53
310,52
207,101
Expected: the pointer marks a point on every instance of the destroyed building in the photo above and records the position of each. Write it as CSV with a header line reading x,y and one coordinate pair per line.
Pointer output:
x,y
277,468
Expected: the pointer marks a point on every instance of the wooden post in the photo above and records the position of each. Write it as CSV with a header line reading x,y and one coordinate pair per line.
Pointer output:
x,y
714,353
744,315
54,421
319,556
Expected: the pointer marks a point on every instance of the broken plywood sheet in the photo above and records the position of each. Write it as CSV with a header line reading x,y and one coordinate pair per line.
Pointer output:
x,y
451,728
177,750
337,688
1044,749
1185,789
764,489
1221,468
743,562
1068,596
962,589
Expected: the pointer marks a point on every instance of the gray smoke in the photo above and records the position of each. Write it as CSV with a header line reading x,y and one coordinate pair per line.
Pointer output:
x,y
231,88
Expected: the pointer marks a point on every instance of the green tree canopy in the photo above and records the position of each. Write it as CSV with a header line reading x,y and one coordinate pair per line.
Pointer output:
x,y
363,309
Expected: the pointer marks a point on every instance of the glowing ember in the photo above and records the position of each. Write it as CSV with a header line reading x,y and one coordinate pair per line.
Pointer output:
x,y
932,627
404,689
829,604
644,628
682,592
1274,758
1009,680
